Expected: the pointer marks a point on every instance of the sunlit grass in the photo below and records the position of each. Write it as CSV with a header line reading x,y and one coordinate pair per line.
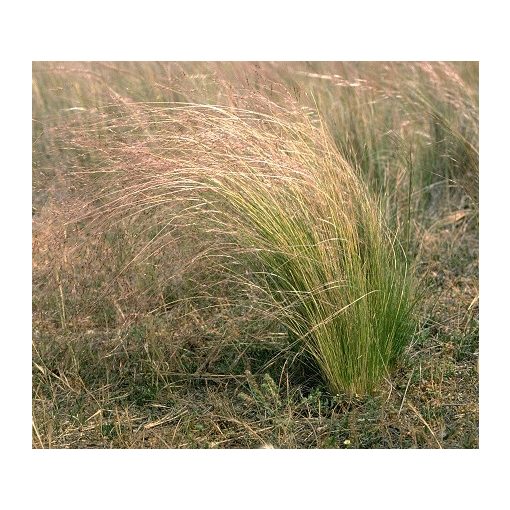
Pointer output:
x,y
199,225
280,200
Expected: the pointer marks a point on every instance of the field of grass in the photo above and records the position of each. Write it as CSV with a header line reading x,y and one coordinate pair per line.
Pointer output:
x,y
255,255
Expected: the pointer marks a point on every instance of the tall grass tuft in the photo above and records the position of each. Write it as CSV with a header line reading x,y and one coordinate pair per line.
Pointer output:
x,y
287,215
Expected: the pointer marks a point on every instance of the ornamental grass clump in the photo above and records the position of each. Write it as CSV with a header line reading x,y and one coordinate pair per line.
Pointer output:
x,y
286,215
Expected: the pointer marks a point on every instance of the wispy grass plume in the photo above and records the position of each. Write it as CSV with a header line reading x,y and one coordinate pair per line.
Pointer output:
x,y
287,216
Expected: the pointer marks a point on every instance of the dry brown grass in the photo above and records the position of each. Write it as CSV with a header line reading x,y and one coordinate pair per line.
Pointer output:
x,y
132,362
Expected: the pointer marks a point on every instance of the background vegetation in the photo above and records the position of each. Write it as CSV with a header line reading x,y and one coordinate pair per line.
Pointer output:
x,y
140,341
